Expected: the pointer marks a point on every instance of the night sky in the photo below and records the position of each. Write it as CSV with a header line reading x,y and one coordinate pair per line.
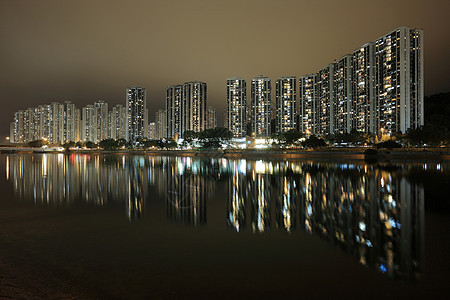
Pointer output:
x,y
84,51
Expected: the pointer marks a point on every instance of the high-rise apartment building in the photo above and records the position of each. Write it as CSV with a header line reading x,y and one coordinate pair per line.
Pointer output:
x,y
236,110
261,106
117,122
70,120
211,120
152,131
377,89
286,104
194,106
136,108
89,124
363,89
101,110
399,81
324,107
160,124
56,122
174,100
342,95
307,96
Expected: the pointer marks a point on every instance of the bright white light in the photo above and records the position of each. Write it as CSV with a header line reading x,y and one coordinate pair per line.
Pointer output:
x,y
243,166
362,226
260,167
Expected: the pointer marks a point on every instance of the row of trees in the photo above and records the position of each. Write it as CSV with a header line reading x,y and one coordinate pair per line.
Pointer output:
x,y
428,135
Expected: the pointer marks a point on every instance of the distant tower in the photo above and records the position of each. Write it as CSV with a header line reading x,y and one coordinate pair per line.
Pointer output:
x,y
236,111
160,124
286,104
307,96
101,110
117,122
194,106
174,99
211,120
136,113
89,124
260,106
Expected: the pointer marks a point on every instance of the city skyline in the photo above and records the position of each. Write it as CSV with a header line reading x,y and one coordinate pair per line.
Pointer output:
x,y
47,45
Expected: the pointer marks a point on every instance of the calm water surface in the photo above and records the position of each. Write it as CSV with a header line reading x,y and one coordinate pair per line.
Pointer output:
x,y
132,226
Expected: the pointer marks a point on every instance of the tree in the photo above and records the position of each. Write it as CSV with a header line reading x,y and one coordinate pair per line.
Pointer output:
x,y
287,138
354,137
122,142
170,144
109,144
38,143
314,142
68,145
91,145
291,137
425,135
389,144
214,137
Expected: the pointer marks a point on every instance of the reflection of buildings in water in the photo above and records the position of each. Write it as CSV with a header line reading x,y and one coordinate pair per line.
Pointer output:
x,y
237,195
187,192
260,193
95,179
137,185
375,215
286,195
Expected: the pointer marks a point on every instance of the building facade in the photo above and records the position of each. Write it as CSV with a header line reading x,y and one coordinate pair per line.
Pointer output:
x,y
174,100
160,124
363,89
308,97
261,106
286,104
342,95
194,106
399,81
136,109
211,119
236,110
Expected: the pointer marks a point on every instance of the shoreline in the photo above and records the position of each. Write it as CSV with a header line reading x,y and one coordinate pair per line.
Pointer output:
x,y
325,153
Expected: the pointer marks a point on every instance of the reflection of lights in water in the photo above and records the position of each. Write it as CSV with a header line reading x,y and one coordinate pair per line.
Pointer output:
x,y
60,158
358,213
7,168
260,167
309,210
44,165
243,166
362,226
